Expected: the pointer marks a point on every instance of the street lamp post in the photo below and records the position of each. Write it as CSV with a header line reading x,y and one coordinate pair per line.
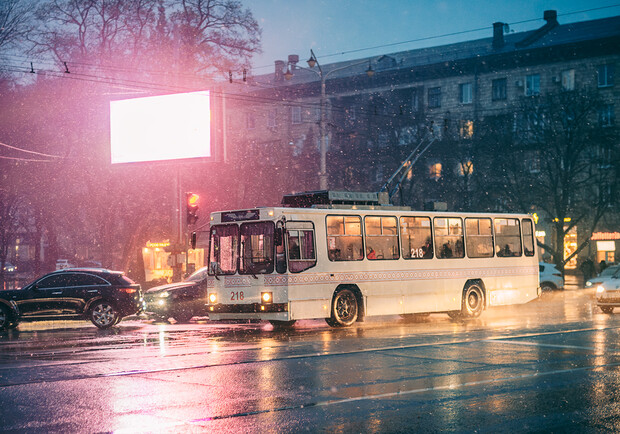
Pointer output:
x,y
312,62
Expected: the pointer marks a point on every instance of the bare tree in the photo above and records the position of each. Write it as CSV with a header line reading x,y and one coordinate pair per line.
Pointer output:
x,y
554,156
14,23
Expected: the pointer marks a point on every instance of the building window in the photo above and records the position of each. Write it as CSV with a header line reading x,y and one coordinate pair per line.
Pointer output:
x,y
434,97
532,84
415,101
435,171
568,79
498,89
465,90
465,168
250,121
296,115
271,118
605,75
466,129
606,115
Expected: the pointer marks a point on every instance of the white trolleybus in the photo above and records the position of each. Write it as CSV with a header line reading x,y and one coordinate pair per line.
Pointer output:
x,y
326,258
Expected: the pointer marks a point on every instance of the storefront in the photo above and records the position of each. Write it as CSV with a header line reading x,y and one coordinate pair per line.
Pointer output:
x,y
160,261
605,243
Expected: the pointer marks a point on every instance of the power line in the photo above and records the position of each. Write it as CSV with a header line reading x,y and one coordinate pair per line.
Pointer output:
x,y
29,152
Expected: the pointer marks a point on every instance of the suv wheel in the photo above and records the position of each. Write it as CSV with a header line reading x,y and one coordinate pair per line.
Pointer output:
x,y
5,319
103,314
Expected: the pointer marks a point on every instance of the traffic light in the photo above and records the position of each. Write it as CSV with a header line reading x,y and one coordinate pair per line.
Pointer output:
x,y
191,201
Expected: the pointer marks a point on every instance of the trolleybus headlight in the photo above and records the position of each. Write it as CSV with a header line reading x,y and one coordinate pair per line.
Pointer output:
x,y
266,297
212,297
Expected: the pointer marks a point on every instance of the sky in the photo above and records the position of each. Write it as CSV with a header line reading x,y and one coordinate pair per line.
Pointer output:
x,y
340,30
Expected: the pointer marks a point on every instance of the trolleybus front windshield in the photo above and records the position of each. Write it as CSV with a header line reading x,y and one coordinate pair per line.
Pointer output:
x,y
247,248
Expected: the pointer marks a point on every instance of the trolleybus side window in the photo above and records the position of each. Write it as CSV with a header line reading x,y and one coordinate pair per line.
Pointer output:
x,y
507,237
416,237
381,237
223,249
449,237
479,237
300,244
528,237
256,248
344,238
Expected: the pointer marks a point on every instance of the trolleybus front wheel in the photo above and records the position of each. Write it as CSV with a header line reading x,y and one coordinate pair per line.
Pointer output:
x,y
344,309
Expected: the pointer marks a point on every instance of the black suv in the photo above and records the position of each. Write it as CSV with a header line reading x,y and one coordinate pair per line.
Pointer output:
x,y
101,295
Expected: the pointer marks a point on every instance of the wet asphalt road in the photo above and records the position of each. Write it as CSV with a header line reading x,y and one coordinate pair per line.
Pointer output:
x,y
552,365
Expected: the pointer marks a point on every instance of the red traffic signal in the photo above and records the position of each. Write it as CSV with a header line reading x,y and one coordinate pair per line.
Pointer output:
x,y
191,201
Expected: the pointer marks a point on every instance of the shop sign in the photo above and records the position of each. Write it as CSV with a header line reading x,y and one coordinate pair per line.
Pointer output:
x,y
603,236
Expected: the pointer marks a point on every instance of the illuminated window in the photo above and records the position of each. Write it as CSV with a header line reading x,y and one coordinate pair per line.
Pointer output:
x,y
466,129
435,171
465,168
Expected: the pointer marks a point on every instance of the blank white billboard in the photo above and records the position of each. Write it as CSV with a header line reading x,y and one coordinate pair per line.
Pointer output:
x,y
159,128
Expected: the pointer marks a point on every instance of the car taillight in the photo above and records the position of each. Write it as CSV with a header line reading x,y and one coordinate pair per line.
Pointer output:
x,y
129,290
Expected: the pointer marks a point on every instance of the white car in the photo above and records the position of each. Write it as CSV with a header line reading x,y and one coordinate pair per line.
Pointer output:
x,y
61,264
550,277
605,274
608,293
